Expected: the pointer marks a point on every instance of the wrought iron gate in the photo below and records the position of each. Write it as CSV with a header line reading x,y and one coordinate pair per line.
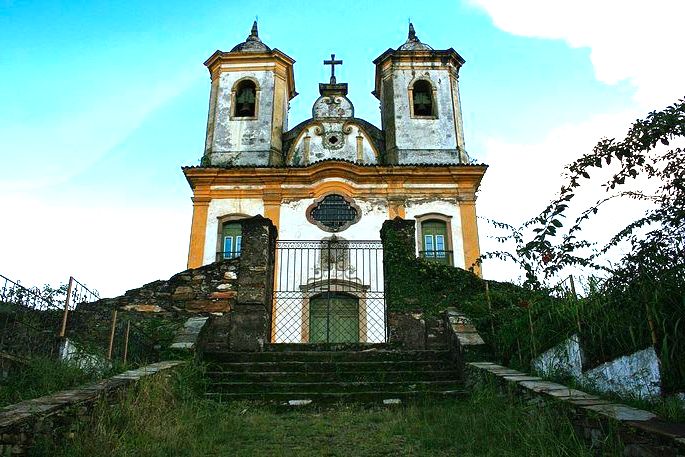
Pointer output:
x,y
329,290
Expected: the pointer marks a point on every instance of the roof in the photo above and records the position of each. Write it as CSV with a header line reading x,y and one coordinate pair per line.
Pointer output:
x,y
252,43
413,43
318,163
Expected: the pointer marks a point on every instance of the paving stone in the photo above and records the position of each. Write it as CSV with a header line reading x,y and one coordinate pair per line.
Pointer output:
x,y
542,386
521,377
622,412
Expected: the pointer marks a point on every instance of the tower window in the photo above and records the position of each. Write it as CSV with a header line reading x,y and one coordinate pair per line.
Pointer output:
x,y
422,98
245,99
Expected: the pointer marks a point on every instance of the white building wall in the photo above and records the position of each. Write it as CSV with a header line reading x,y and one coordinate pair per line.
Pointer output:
x,y
419,207
223,207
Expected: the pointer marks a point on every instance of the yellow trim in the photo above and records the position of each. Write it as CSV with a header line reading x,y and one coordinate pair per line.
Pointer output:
x,y
198,232
469,233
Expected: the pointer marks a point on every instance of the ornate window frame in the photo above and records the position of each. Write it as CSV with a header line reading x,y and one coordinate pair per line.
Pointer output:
x,y
325,228
421,218
434,98
234,91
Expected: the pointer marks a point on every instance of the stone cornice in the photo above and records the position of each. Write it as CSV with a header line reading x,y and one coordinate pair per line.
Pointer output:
x,y
253,182
281,64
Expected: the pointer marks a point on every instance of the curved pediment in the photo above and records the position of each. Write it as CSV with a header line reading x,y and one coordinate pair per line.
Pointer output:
x,y
320,139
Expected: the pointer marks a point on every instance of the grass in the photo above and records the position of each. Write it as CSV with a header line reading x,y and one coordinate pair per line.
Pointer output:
x,y
167,416
42,376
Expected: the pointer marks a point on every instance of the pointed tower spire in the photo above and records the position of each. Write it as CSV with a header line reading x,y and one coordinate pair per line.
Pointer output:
x,y
411,36
254,33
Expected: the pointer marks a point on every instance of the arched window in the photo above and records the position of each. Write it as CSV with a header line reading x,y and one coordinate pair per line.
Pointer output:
x,y
231,239
245,99
422,98
435,241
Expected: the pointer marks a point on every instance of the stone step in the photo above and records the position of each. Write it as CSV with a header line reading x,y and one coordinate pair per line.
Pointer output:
x,y
332,387
332,397
319,347
327,356
334,376
335,367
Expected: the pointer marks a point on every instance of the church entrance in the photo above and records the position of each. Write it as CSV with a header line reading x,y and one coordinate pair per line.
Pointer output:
x,y
334,318
329,291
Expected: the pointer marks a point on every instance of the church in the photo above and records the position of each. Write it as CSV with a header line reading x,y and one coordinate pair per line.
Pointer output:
x,y
330,182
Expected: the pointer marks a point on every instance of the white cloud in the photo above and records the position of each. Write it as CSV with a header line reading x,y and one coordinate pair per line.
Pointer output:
x,y
629,40
107,247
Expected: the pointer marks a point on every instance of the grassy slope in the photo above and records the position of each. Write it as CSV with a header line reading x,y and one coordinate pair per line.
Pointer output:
x,y
165,417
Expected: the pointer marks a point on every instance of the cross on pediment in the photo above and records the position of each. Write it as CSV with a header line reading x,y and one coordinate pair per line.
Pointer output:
x,y
332,63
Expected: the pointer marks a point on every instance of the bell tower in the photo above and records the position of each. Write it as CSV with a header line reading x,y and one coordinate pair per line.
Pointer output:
x,y
418,88
248,104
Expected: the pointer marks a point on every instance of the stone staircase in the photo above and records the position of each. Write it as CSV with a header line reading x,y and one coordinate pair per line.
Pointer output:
x,y
302,374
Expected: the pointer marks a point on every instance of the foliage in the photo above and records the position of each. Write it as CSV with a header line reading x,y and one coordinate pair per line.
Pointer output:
x,y
162,418
642,299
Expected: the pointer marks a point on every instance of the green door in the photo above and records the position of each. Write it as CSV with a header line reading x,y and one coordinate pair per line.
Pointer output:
x,y
342,322
435,242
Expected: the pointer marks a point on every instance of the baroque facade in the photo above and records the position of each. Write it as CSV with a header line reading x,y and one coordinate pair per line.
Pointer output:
x,y
335,176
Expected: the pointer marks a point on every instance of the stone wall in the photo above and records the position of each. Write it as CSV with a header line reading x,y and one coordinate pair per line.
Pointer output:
x,y
237,291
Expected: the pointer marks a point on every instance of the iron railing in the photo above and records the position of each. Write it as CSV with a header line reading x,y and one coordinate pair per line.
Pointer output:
x,y
28,320
227,255
330,291
445,257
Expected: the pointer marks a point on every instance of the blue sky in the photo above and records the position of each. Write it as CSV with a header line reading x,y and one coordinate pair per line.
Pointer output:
x,y
101,103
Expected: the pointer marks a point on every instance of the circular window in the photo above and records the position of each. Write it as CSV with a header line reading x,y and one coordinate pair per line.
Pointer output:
x,y
333,213
333,139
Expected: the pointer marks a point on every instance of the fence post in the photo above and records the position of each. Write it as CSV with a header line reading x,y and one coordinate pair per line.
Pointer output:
x,y
128,329
532,333
577,302
492,324
111,335
63,329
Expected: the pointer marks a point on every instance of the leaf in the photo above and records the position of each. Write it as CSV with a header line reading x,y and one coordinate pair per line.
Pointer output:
x,y
557,223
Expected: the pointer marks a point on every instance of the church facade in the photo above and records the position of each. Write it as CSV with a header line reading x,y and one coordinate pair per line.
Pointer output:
x,y
335,177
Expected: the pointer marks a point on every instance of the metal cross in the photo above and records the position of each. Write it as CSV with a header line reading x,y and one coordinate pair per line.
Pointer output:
x,y
332,63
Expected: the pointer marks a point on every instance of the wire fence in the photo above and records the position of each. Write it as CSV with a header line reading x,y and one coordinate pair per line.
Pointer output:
x,y
52,323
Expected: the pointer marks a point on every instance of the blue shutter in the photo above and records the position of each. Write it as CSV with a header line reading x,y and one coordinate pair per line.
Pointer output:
x,y
440,245
238,245
430,248
228,247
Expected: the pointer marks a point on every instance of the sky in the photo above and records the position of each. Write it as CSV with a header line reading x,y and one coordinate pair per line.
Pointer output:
x,y
102,102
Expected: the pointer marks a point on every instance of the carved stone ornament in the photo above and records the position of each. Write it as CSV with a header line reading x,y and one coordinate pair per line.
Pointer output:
x,y
333,213
334,140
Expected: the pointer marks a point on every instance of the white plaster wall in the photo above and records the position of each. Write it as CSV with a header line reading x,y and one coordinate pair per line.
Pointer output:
x,y
222,207
634,375
418,207
413,133
295,226
231,136
563,359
